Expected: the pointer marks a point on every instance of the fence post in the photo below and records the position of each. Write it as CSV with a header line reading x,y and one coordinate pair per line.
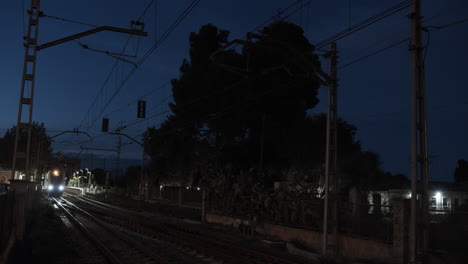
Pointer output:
x,y
400,230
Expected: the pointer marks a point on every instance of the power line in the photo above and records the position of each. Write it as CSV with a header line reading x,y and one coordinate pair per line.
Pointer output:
x,y
447,25
181,17
164,36
374,53
150,51
133,100
142,16
69,20
274,17
114,67
365,23
371,46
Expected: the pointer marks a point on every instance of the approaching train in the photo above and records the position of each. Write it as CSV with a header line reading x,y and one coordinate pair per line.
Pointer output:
x,y
55,182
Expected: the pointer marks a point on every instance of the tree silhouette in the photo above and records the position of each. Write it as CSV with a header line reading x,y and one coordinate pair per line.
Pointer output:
x,y
461,172
245,110
41,149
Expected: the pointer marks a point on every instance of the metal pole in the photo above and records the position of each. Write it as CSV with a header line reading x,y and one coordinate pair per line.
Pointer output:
x,y
117,164
419,224
330,152
28,80
140,185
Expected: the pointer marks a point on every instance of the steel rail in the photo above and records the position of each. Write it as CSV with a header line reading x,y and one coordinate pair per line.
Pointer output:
x,y
212,246
120,235
111,257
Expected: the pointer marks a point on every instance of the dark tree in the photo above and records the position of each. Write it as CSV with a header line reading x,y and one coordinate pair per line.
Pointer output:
x,y
461,172
99,176
244,111
41,149
132,176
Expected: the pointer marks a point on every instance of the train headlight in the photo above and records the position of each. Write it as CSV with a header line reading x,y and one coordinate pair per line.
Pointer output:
x,y
56,172
61,188
50,188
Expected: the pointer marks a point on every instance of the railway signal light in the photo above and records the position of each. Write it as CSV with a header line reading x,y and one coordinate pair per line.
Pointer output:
x,y
141,109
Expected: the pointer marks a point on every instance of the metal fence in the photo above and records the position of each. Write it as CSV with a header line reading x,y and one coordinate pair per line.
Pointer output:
x,y
359,220
366,220
187,194
448,230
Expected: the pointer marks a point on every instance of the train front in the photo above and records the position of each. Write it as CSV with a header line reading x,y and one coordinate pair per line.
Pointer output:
x,y
55,186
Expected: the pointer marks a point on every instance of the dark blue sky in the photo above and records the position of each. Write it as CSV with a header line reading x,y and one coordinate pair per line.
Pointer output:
x,y
373,94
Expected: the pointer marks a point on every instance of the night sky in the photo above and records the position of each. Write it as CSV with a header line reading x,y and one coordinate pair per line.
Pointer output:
x,y
374,94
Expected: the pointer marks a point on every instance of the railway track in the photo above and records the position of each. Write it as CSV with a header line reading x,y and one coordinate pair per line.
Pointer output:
x,y
177,234
121,246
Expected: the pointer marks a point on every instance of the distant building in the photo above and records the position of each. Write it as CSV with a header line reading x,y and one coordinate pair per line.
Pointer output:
x,y
443,197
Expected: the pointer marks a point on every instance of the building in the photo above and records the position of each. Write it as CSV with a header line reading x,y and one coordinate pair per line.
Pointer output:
x,y
443,197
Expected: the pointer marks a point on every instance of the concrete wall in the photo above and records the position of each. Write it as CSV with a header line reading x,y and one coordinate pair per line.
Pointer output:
x,y
349,247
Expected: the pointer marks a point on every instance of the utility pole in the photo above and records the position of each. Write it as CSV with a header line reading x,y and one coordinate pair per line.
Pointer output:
x,y
143,175
24,123
419,155
331,154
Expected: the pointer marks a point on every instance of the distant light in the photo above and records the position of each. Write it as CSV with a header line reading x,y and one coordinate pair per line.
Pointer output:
x,y
160,187
438,195
198,188
187,188
56,173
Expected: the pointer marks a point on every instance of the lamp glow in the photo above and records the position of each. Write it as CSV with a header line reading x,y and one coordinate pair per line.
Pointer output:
x,y
56,173
438,197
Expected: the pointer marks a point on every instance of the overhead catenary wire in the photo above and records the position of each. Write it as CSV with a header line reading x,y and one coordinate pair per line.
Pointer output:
x,y
70,21
429,29
383,14
113,69
181,17
132,102
374,53
157,43
365,23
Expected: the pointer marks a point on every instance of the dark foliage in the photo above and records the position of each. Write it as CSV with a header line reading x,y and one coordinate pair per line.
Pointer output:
x,y
461,172
245,110
41,149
